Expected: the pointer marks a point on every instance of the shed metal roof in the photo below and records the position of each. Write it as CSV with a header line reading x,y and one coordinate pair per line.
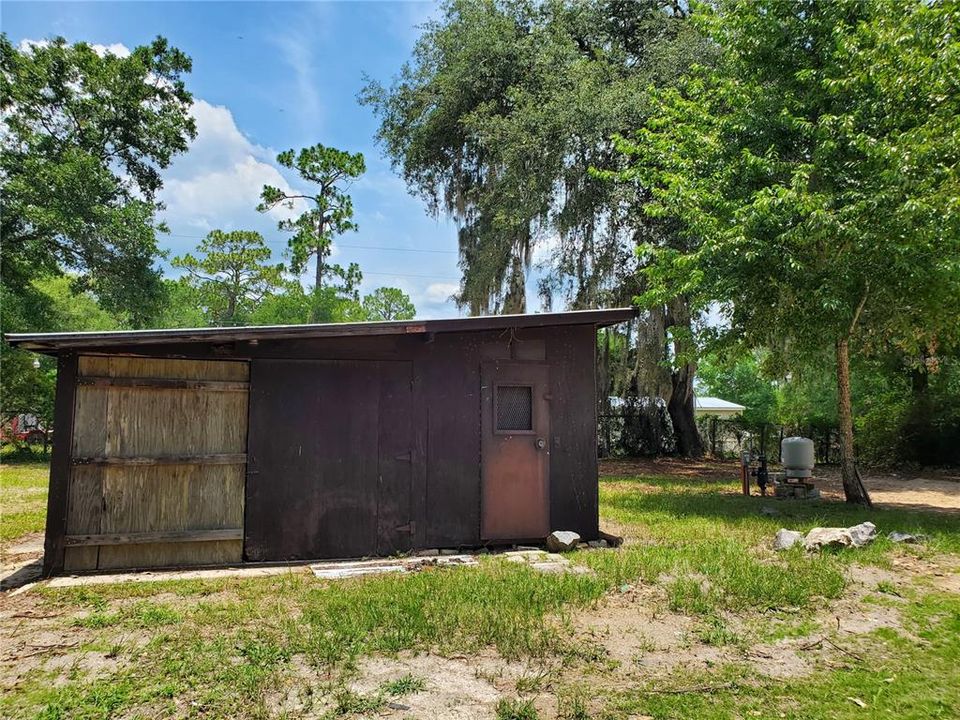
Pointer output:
x,y
54,342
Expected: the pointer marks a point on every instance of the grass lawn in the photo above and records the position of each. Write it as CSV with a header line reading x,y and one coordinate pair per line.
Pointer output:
x,y
23,499
697,564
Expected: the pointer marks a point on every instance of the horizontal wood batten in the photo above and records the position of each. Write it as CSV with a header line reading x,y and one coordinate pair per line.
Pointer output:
x,y
164,383
216,459
155,537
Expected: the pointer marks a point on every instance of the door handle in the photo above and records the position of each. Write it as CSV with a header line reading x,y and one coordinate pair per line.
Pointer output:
x,y
541,443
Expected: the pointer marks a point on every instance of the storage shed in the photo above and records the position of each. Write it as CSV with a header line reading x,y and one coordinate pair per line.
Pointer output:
x,y
271,444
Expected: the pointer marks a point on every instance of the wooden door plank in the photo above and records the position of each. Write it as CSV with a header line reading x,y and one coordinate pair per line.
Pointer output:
x,y
205,459
161,383
57,498
169,536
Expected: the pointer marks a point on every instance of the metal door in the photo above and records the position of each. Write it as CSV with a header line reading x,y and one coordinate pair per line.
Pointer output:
x,y
515,451
328,459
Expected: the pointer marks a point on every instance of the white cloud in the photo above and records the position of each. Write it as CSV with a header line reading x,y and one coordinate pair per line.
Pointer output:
x,y
118,49
217,183
440,292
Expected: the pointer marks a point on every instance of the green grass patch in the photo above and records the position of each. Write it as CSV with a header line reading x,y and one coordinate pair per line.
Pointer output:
x,y
510,709
898,677
23,499
402,686
214,648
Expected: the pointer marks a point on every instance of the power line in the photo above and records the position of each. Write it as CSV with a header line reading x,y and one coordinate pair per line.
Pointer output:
x,y
426,277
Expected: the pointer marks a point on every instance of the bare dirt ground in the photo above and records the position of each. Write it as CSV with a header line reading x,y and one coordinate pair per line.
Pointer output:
x,y
921,489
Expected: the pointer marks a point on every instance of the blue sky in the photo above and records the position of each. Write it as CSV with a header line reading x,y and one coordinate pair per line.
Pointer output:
x,y
267,77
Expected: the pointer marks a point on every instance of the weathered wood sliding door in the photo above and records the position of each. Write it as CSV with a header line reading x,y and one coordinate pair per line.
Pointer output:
x,y
157,463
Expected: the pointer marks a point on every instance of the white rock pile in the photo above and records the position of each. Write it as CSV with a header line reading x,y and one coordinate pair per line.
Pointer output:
x,y
822,537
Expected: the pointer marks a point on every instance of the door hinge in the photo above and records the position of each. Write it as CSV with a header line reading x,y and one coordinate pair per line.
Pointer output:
x,y
404,456
410,527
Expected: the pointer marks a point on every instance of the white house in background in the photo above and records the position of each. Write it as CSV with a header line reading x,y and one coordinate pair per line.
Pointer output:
x,y
704,406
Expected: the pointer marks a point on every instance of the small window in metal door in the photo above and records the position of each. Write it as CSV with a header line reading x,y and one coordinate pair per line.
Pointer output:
x,y
514,409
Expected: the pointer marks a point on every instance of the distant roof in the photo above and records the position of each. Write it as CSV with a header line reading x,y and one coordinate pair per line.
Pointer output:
x,y
706,404
701,404
53,342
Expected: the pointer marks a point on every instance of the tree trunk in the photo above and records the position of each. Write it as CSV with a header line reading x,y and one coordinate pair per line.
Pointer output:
x,y
680,407
318,273
679,319
315,315
853,489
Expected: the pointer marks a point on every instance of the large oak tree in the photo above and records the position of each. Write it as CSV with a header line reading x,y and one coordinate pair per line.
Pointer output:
x,y
497,119
816,171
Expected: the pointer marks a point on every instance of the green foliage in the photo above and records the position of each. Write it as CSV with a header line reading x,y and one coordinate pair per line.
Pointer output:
x,y
58,304
405,685
181,306
388,303
500,112
86,136
815,172
73,308
740,381
230,275
329,212
908,415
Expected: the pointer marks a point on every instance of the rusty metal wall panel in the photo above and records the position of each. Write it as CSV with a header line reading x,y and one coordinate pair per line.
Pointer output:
x,y
571,353
312,460
451,378
515,451
395,525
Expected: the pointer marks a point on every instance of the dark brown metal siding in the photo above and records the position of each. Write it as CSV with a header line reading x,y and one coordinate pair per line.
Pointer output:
x,y
312,457
451,384
571,354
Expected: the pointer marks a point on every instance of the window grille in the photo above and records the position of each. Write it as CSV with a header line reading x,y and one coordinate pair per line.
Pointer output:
x,y
514,407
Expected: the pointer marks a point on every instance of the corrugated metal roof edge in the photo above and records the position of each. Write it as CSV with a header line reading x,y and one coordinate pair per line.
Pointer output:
x,y
52,342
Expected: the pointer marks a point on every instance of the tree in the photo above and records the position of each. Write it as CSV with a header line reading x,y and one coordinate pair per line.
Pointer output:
x,y
60,305
86,136
330,211
388,303
741,380
497,119
816,170
231,275
181,306
296,306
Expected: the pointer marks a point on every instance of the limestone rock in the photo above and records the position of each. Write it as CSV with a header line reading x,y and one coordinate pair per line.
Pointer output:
x,y
863,534
786,539
562,540
821,537
900,537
